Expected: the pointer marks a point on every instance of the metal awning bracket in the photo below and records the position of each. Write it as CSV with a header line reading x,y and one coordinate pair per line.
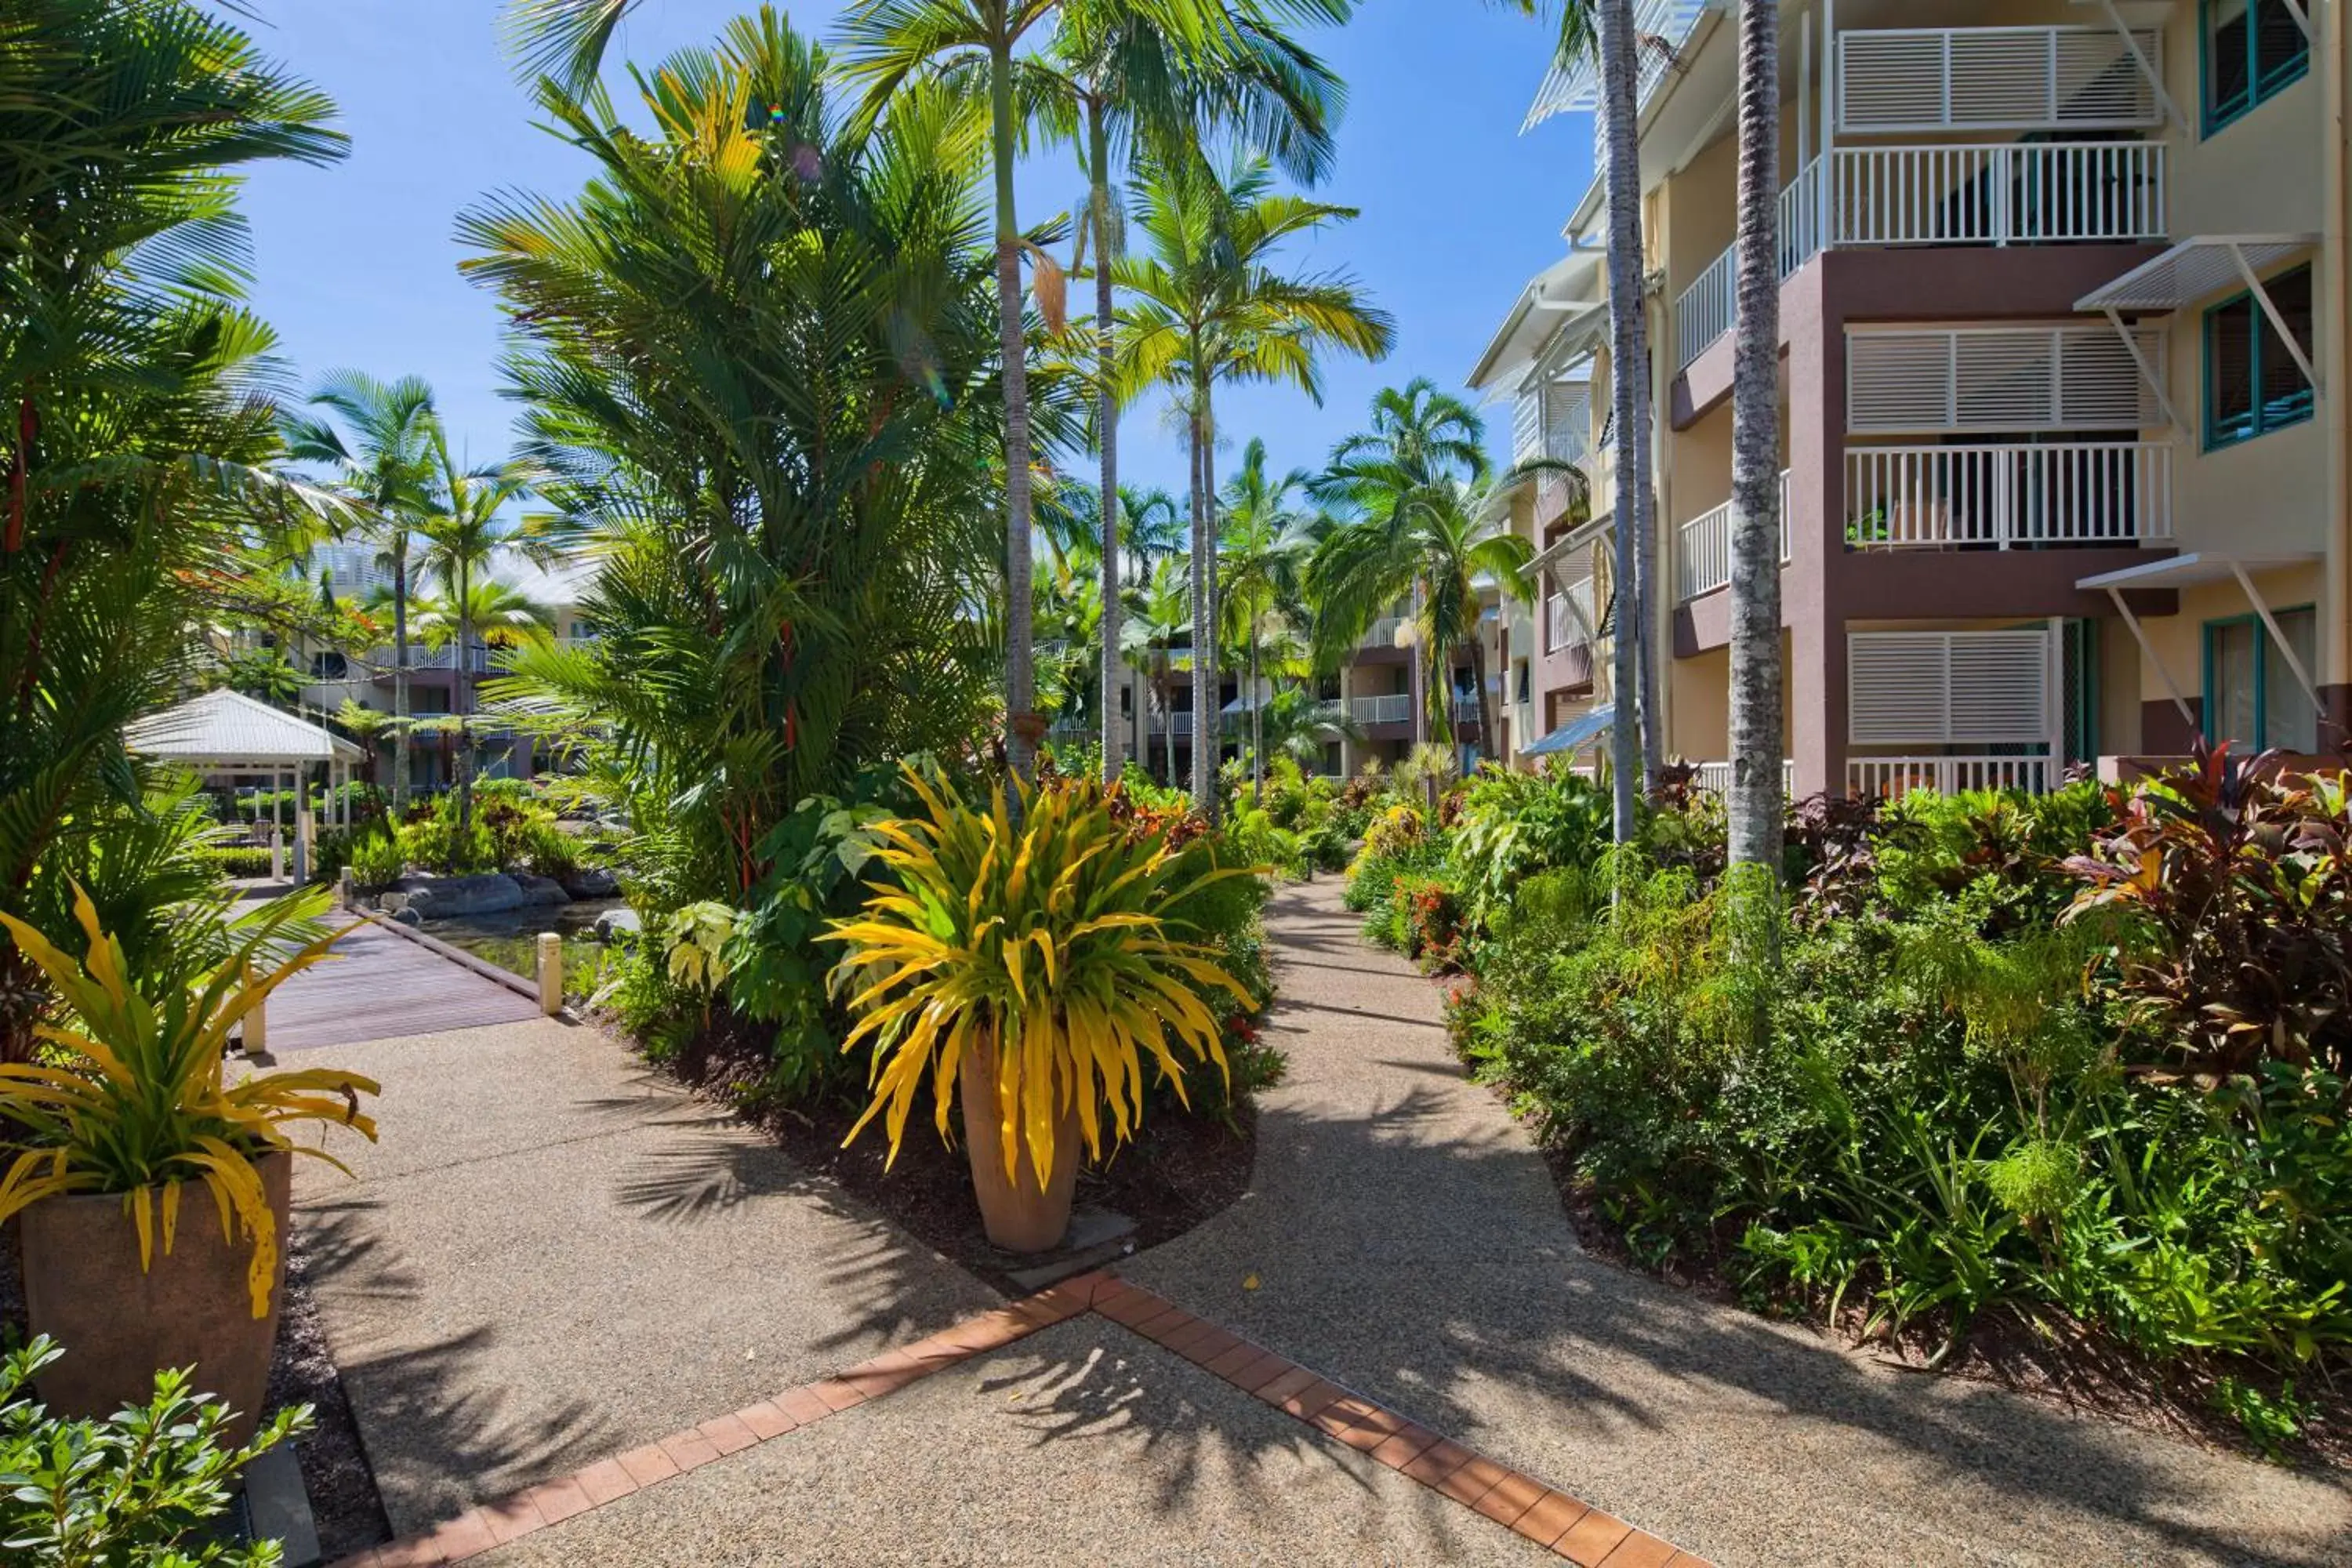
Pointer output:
x,y
2147,371
2148,648
2294,8
2148,68
2269,624
2278,322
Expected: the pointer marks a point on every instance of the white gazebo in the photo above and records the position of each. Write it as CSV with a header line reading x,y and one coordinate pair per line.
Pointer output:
x,y
226,732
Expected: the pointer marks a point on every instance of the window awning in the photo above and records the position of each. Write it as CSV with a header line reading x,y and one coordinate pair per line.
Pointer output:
x,y
1575,735
2206,566
2187,571
2203,265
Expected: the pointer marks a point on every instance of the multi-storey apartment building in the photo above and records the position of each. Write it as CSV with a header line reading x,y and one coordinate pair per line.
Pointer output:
x,y
2063,326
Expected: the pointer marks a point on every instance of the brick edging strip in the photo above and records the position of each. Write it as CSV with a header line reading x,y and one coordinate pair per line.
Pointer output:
x,y
1573,1530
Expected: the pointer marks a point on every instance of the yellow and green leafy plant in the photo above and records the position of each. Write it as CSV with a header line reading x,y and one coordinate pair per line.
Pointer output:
x,y
132,1095
1039,928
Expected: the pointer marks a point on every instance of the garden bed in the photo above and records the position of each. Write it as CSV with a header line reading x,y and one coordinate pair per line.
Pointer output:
x,y
1178,1171
2046,1357
336,1475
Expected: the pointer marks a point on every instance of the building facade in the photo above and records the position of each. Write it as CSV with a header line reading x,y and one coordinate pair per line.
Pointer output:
x,y
2063,302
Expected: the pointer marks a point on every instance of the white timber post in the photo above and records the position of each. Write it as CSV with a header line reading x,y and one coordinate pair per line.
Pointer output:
x,y
550,972
257,1020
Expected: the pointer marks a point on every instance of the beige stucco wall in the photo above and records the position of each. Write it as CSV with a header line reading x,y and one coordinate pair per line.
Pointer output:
x,y
2179,640
1698,709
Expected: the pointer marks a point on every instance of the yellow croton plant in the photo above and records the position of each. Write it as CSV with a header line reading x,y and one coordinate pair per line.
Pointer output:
x,y
1045,931
133,1095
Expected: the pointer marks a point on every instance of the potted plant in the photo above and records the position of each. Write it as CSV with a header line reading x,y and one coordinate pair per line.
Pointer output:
x,y
130,1105
1025,954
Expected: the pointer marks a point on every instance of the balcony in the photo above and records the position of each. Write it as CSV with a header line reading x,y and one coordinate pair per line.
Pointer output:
x,y
1891,778
1383,632
2008,194
1394,709
2007,496
1703,557
1715,777
1569,617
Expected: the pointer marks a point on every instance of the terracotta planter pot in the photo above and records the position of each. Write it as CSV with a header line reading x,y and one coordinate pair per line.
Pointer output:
x,y
84,1288
1024,1214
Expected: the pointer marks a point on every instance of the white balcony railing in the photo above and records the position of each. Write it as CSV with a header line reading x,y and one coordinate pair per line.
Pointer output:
x,y
1383,632
1394,709
1894,777
1717,777
1569,616
2003,194
2085,492
1702,563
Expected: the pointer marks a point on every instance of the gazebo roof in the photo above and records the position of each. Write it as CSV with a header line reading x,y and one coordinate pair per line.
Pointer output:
x,y
226,730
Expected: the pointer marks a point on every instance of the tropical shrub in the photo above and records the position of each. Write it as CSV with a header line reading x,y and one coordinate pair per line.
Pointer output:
x,y
1515,825
148,1484
1039,929
133,1097
1938,1105
2236,891
238,859
376,858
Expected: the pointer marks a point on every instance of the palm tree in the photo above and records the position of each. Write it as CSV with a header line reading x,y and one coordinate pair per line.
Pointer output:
x,y
1132,85
1207,306
1439,547
1265,547
1755,806
1603,31
383,460
791,523
1418,436
136,454
462,533
1163,613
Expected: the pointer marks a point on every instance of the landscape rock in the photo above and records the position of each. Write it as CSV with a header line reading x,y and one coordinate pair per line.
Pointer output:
x,y
408,917
444,898
539,891
592,882
615,924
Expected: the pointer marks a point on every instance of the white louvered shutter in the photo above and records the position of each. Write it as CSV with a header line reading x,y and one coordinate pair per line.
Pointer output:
x,y
1568,420
1986,78
1934,381
1526,424
1914,689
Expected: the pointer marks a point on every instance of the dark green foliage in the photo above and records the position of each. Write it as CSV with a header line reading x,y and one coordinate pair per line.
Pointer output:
x,y
146,1486
1930,1110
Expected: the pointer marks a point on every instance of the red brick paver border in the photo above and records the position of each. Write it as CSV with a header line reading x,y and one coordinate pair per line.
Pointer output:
x,y
1573,1530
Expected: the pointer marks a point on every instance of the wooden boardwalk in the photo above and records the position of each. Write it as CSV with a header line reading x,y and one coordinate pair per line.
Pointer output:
x,y
382,986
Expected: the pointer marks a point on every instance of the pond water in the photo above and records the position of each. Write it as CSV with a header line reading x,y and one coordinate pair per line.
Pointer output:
x,y
510,939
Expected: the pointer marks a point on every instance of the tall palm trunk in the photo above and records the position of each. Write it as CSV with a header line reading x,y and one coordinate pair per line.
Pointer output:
x,y
1204,636
399,676
1098,154
462,675
1487,743
1021,725
1209,530
1756,676
1628,366
1258,725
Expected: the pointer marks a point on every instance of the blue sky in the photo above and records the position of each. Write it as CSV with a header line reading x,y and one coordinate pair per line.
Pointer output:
x,y
357,263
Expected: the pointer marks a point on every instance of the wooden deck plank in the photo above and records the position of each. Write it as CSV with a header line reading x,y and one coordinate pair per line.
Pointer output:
x,y
380,985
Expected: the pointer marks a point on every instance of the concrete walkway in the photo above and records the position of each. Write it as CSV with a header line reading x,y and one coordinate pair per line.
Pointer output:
x,y
555,1256
1406,1240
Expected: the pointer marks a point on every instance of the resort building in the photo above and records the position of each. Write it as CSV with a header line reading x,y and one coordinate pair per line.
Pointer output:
x,y
2061,314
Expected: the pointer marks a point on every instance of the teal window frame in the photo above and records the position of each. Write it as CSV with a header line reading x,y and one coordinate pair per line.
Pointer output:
x,y
2264,651
2260,85
2261,419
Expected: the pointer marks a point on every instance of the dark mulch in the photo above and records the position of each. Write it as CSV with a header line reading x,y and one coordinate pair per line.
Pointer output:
x,y
335,1471
1179,1169
2047,1356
